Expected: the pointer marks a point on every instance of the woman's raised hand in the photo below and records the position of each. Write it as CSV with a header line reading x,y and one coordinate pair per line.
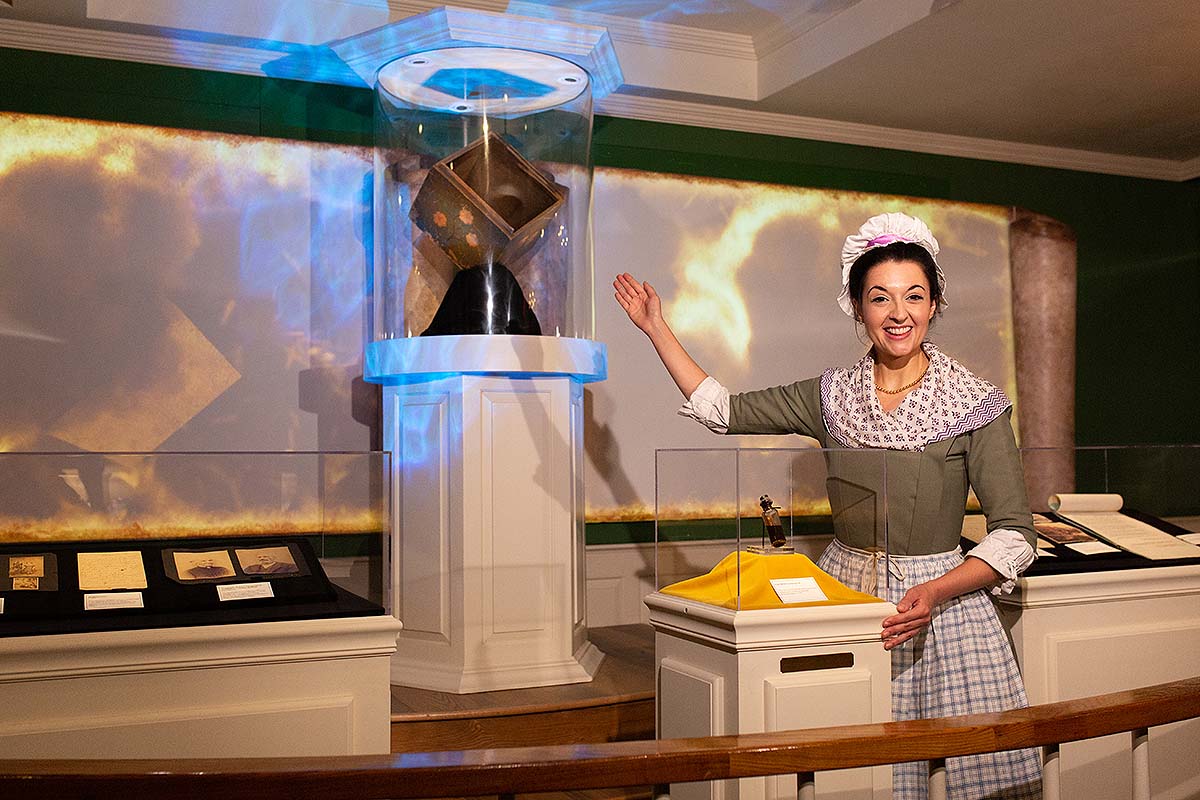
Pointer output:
x,y
640,302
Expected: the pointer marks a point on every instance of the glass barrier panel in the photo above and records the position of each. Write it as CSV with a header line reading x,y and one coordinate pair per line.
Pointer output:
x,y
336,503
1114,508
720,510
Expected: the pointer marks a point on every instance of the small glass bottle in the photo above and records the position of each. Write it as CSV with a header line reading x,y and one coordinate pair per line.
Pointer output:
x,y
772,524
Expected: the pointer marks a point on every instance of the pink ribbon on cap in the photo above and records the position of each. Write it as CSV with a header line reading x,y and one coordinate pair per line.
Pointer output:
x,y
887,238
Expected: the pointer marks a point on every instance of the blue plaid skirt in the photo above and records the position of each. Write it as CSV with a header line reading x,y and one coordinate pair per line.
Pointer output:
x,y
960,664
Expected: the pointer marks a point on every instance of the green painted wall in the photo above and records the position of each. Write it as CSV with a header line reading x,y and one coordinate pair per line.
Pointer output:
x,y
1138,372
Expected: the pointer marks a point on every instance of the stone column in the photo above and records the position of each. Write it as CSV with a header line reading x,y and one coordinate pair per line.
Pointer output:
x,y
1043,276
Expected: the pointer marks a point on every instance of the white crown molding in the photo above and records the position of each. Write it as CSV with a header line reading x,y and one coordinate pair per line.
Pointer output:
x,y
647,33
836,38
824,130
133,47
250,61
790,27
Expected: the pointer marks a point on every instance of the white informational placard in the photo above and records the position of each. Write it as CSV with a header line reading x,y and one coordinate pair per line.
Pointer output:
x,y
244,591
1193,538
798,590
1092,548
101,602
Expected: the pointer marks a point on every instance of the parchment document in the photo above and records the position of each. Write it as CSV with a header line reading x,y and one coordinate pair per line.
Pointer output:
x,y
118,570
1100,514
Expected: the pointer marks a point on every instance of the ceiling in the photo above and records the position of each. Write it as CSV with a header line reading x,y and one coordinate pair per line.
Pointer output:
x,y
1107,86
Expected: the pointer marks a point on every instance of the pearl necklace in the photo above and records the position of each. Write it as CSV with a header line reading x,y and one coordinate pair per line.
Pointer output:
x,y
906,386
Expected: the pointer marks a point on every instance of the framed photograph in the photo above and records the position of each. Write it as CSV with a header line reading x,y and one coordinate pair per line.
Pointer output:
x,y
273,562
202,565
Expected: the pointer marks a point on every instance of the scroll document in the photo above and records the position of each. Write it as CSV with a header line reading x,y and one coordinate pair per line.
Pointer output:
x,y
1101,515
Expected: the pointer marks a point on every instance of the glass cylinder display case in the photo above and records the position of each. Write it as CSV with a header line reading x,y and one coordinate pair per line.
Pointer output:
x,y
482,193
483,189
480,327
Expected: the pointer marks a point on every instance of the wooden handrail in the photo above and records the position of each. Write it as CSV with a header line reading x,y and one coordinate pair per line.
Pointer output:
x,y
641,763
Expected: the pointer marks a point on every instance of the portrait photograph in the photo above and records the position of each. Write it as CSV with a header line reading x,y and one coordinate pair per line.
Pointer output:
x,y
204,565
276,561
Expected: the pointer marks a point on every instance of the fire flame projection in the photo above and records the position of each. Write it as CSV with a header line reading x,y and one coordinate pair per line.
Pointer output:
x,y
180,291
749,274
48,497
168,290
711,299
157,282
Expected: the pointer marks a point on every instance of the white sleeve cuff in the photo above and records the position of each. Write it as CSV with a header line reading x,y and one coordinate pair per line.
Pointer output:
x,y
708,405
1008,553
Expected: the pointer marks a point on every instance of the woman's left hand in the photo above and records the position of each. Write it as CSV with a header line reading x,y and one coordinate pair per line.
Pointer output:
x,y
916,610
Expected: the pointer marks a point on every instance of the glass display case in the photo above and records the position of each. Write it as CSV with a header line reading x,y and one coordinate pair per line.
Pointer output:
x,y
718,512
742,528
108,541
482,194
1110,604
1112,508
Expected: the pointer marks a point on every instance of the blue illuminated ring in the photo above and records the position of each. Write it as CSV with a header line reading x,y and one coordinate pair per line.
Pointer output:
x,y
424,358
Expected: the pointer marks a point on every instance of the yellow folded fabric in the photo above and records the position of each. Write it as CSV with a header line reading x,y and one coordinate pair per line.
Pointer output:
x,y
720,586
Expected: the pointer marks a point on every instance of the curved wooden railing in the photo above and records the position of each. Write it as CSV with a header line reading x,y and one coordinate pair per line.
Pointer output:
x,y
619,764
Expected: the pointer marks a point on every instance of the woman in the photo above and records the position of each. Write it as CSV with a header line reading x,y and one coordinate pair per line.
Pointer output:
x,y
944,429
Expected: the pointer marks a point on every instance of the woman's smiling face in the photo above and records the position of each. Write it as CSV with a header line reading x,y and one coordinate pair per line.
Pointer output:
x,y
896,308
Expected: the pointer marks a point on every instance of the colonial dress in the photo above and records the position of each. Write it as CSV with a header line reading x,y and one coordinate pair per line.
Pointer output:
x,y
951,432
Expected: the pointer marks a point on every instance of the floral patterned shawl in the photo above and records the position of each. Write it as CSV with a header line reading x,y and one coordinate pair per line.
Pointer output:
x,y
949,401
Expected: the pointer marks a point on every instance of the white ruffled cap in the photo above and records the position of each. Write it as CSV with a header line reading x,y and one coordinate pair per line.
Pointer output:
x,y
891,227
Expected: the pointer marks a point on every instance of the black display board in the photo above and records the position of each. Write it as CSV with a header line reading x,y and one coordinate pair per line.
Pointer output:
x,y
50,588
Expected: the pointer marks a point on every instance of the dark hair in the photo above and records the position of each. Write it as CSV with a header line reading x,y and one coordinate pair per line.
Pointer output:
x,y
896,251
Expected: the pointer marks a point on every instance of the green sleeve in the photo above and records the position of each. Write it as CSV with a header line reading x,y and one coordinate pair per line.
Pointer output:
x,y
795,408
994,470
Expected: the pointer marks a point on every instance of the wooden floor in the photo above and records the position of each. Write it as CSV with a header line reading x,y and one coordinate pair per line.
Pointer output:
x,y
617,705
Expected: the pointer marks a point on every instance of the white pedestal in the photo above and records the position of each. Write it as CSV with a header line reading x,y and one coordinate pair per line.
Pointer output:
x,y
488,545
726,672
1086,634
299,688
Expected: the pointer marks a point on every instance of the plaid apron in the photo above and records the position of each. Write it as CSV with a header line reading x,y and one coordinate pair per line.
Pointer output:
x,y
960,664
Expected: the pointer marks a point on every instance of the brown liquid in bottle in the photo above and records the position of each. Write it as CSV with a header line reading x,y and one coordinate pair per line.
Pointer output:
x,y
772,524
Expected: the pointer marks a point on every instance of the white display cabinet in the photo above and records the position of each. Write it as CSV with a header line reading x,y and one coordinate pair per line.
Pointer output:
x,y
160,605
732,657
1085,622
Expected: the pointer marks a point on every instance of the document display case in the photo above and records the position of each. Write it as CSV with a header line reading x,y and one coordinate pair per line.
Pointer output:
x,y
1092,616
194,604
